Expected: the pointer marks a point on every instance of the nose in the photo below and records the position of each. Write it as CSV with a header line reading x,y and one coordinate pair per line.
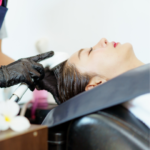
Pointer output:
x,y
102,43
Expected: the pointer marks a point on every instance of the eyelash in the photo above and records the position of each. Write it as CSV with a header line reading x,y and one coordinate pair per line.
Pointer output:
x,y
90,50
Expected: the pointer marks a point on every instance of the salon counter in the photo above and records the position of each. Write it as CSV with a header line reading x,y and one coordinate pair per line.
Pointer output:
x,y
34,138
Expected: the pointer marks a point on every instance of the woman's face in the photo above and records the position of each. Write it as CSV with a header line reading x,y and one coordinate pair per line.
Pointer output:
x,y
107,59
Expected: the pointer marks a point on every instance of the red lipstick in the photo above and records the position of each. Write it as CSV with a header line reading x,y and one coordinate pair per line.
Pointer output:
x,y
115,44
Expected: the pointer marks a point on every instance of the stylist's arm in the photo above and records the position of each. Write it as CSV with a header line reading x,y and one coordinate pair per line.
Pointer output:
x,y
23,71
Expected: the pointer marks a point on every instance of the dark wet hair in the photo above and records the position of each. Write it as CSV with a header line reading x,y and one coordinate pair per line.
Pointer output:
x,y
69,81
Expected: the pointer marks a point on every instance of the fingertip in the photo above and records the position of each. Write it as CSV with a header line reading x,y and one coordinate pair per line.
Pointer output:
x,y
32,88
51,53
43,56
47,55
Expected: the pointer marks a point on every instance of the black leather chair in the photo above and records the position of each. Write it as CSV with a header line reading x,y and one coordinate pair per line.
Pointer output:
x,y
114,128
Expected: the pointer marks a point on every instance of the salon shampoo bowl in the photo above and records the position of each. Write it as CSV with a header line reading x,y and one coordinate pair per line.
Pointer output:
x,y
114,128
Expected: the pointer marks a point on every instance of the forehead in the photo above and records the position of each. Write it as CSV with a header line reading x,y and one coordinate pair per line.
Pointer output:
x,y
75,57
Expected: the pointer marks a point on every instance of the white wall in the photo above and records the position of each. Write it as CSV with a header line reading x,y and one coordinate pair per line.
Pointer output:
x,y
72,24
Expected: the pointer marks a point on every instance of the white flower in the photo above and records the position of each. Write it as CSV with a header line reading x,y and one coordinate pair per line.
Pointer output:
x,y
9,118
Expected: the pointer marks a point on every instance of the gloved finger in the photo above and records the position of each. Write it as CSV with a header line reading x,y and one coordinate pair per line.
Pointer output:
x,y
41,57
35,70
31,85
30,82
39,68
34,74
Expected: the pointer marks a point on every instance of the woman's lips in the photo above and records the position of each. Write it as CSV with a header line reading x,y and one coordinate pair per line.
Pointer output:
x,y
115,44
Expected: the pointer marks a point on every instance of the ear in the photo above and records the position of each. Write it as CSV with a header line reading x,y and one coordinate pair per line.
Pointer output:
x,y
95,81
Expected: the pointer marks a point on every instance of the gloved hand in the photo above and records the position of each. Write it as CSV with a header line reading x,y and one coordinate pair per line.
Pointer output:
x,y
24,70
49,83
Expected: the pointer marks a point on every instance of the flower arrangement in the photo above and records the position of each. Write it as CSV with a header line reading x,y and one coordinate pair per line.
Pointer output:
x,y
9,119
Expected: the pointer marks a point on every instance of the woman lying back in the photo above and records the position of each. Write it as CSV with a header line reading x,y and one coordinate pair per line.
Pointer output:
x,y
88,68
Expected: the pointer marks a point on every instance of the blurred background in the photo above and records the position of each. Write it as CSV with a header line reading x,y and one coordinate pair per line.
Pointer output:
x,y
69,25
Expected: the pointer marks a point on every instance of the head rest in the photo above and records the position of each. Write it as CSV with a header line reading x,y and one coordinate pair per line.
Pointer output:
x,y
57,59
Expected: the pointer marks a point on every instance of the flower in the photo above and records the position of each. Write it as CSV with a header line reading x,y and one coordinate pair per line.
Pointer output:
x,y
9,118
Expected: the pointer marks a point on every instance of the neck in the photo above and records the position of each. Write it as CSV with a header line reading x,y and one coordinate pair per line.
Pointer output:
x,y
134,64
129,65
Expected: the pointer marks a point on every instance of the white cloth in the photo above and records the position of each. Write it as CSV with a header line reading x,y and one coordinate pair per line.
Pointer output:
x,y
3,32
140,108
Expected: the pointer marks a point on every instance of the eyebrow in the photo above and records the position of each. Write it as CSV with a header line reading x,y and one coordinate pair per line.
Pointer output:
x,y
79,53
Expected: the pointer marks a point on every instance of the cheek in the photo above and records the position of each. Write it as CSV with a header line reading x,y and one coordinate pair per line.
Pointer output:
x,y
103,57
104,61
98,60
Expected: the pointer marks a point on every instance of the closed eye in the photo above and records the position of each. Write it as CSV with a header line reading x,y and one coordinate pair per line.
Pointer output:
x,y
90,50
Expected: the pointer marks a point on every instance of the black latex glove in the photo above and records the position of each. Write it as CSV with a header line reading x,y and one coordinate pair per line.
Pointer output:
x,y
24,70
49,83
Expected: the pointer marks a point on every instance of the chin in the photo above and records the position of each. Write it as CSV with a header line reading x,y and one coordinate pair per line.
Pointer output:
x,y
128,46
127,50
